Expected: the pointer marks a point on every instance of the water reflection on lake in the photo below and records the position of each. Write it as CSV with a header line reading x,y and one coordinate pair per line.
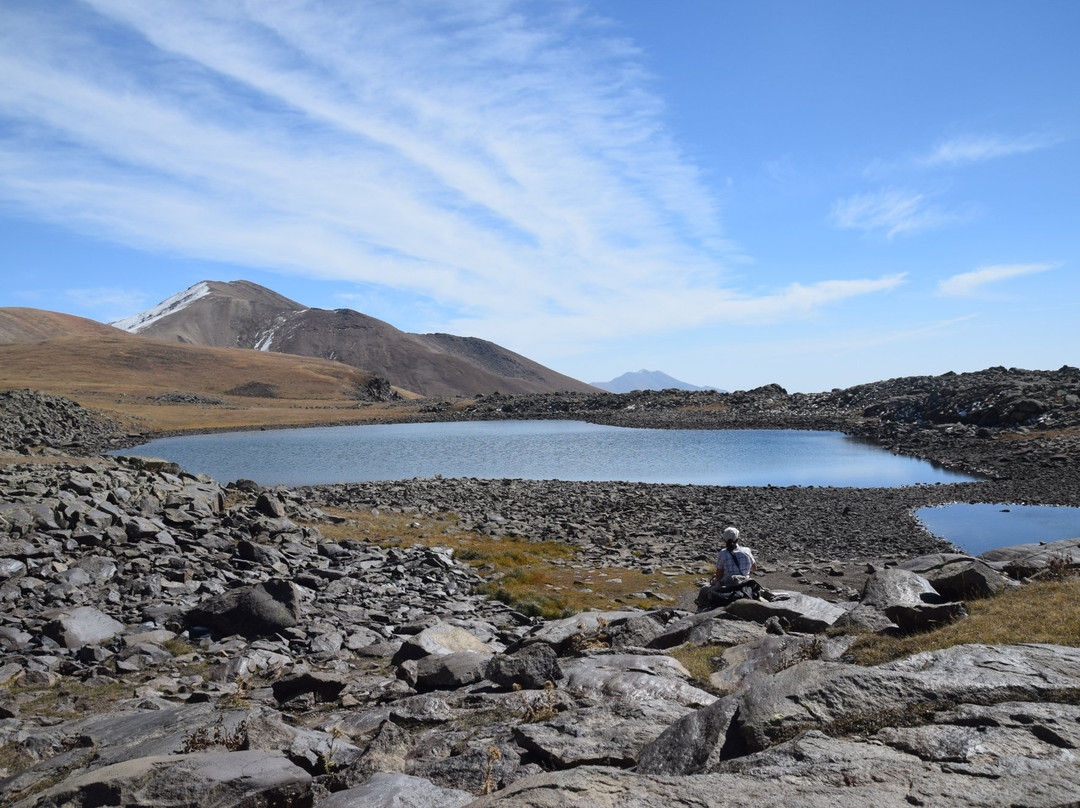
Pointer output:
x,y
563,450
981,527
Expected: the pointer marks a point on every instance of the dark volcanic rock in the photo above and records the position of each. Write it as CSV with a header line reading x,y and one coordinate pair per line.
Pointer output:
x,y
529,668
252,611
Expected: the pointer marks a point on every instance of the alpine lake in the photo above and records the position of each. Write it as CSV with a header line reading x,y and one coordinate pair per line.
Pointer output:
x,y
576,450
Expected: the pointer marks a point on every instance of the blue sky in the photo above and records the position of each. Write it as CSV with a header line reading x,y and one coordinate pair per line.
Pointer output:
x,y
736,193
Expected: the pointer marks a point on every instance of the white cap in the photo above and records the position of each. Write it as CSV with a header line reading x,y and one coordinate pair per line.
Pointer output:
x,y
731,534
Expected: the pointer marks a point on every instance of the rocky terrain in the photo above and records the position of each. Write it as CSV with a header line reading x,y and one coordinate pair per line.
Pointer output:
x,y
168,640
31,420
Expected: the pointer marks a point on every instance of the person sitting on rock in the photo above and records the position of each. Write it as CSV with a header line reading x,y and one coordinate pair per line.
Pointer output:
x,y
734,563
731,581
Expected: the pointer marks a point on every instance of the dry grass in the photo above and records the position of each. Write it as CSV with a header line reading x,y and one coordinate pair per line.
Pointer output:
x,y
120,374
699,660
541,578
71,698
1043,612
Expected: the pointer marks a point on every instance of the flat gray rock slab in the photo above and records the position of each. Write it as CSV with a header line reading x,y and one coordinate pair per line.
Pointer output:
x,y
255,779
560,634
394,790
813,694
743,664
609,735
813,772
798,611
1024,560
633,677
712,627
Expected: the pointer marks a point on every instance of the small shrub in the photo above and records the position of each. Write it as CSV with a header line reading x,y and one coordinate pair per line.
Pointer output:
x,y
541,708
493,754
803,651
202,739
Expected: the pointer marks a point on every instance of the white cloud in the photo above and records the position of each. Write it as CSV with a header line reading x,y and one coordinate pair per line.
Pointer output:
x,y
978,148
896,211
505,159
102,297
970,284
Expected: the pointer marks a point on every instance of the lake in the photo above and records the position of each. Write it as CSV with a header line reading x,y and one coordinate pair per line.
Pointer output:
x,y
541,450
977,528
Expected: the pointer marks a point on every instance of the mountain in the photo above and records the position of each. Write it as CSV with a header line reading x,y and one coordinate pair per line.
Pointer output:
x,y
241,314
646,380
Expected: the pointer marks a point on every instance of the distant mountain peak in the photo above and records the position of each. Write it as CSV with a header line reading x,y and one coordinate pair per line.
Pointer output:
x,y
235,290
646,380
171,305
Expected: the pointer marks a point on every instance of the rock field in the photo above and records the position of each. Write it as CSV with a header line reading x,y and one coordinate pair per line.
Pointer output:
x,y
169,640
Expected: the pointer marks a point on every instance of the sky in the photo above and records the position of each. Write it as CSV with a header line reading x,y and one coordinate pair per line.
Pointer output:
x,y
815,195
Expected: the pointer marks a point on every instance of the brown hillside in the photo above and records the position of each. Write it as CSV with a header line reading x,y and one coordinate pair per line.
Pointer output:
x,y
122,373
32,325
245,315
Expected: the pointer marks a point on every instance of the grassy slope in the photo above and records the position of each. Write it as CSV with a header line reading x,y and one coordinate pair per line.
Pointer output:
x,y
120,373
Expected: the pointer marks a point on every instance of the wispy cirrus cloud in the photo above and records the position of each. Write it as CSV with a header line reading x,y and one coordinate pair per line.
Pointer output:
x,y
111,300
979,148
893,210
503,158
971,284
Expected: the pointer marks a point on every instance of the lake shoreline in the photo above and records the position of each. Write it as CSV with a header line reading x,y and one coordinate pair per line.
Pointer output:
x,y
1035,461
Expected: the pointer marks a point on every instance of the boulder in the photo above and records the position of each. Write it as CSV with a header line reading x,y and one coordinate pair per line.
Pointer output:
x,y
251,611
713,627
441,638
693,744
325,686
636,631
909,600
449,671
797,611
530,668
831,695
813,772
563,634
742,665
958,577
268,504
81,626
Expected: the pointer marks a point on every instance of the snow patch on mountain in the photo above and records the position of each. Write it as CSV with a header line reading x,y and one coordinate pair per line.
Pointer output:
x,y
178,302
265,340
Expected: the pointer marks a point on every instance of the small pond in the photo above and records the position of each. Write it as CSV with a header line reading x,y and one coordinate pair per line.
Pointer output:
x,y
982,527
